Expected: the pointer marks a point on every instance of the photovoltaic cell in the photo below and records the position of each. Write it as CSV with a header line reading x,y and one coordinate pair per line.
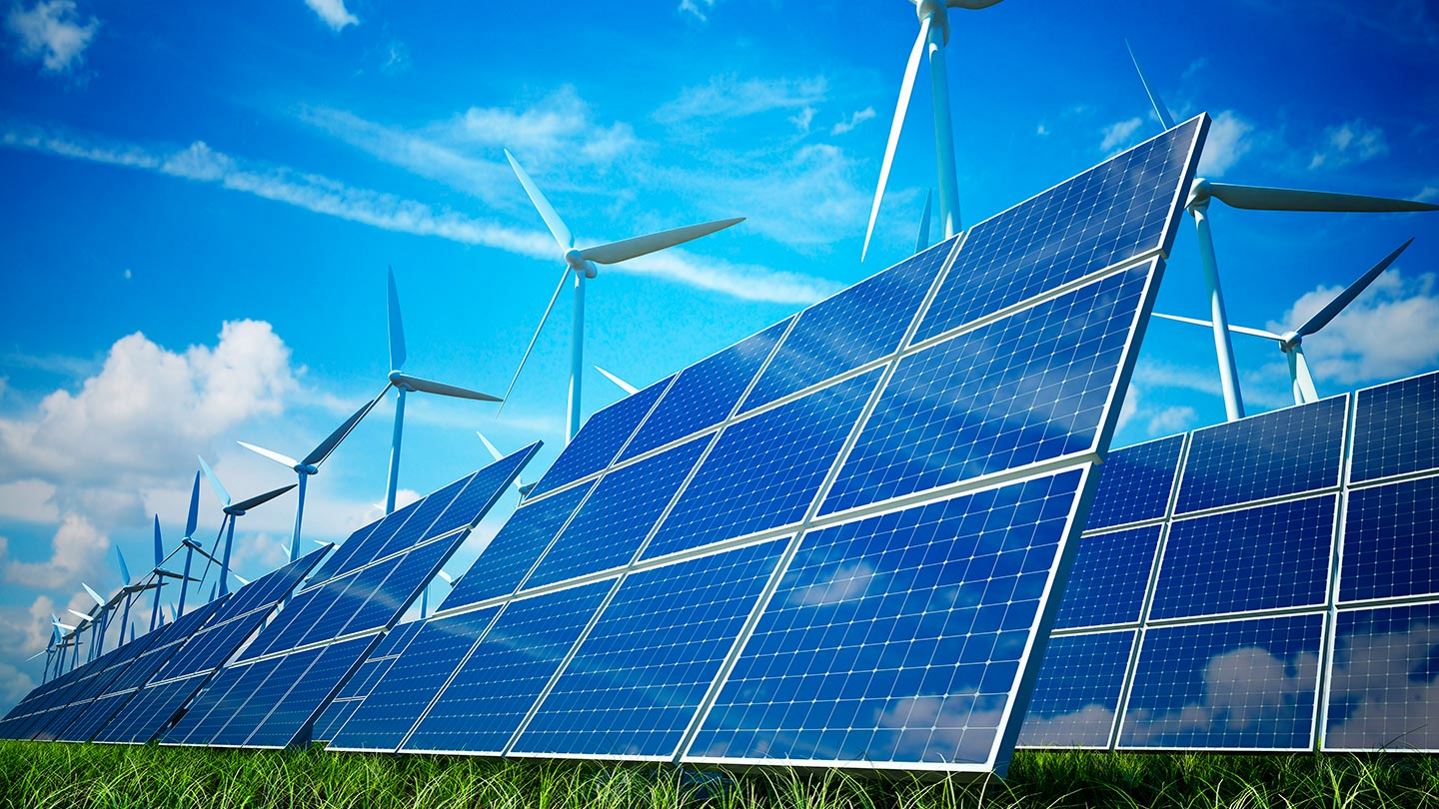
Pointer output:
x,y
899,637
705,393
1382,693
634,685
371,670
1396,429
855,326
1135,483
1391,541
496,685
600,440
1077,696
1282,452
764,471
609,528
1259,558
1246,684
1030,387
1117,210
308,694
364,546
418,526
1109,578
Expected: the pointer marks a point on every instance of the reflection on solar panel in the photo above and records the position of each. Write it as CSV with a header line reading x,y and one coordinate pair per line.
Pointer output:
x,y
1237,649
853,565
273,694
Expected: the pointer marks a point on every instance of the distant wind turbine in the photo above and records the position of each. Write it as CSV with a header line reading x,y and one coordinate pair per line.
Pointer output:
x,y
1291,343
1256,198
233,511
582,263
629,389
403,383
310,464
522,488
933,36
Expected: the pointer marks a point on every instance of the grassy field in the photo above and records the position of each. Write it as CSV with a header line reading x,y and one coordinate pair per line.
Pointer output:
x,y
61,775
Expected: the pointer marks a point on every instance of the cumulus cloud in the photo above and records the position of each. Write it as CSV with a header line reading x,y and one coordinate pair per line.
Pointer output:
x,y
77,553
1350,142
52,32
1229,140
729,96
1154,420
333,12
1377,698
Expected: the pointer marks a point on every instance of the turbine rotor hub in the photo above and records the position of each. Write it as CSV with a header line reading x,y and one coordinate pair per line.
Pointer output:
x,y
1290,341
575,258
307,469
396,378
1200,193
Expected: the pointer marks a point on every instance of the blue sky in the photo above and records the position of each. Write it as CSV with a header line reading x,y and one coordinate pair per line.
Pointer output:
x,y
202,202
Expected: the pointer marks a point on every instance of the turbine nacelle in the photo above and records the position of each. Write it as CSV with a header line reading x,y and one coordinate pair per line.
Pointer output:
x,y
1200,192
935,11
575,258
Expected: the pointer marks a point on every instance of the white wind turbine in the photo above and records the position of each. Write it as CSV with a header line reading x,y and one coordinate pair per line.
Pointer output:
x,y
1257,198
1291,343
233,512
582,263
933,36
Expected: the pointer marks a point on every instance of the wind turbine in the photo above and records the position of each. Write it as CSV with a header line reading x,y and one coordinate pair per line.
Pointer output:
x,y
1291,343
100,623
629,389
1256,198
403,384
933,36
310,464
192,519
233,511
582,263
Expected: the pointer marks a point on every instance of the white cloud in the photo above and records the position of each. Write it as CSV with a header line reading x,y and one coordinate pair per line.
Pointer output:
x,y
1156,420
1350,142
1428,193
333,12
1384,705
52,32
29,500
560,125
1041,130
729,97
1228,141
77,553
700,9
855,119
1119,134
803,119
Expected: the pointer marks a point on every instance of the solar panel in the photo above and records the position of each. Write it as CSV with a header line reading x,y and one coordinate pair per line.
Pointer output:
x,y
918,499
1135,483
1396,429
1077,696
274,693
1381,689
1391,541
371,670
1110,578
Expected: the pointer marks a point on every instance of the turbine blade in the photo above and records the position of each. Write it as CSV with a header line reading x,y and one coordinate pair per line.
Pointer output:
x,y
923,240
84,619
241,579
67,627
37,654
615,252
442,389
193,519
1268,335
159,543
397,327
96,597
547,211
496,454
120,561
283,460
261,499
564,276
447,578
1328,313
1159,109
1253,197
905,89
619,383
318,455
214,482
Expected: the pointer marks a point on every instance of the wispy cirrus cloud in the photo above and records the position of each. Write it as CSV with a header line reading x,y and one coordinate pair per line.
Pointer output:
x,y
730,96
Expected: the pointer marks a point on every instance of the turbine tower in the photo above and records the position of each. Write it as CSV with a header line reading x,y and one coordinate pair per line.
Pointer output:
x,y
310,464
1255,198
582,263
233,511
933,36
1291,343
403,383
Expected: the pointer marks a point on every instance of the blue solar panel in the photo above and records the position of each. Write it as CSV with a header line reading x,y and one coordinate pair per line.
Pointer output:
x,y
400,589
1391,541
1283,452
609,528
855,326
1396,429
363,547
705,393
309,693
516,548
1234,685
148,711
262,687
416,529
602,437
496,685
215,705
1260,558
1028,388
1109,578
634,685
1135,483
1077,696
481,494
412,681
764,471
899,637
1382,693
1120,209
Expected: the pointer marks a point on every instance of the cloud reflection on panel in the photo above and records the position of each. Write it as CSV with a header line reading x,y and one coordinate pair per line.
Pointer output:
x,y
1384,694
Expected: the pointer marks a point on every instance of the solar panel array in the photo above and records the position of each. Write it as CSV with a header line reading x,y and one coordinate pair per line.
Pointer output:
x,y
1267,584
832,543
273,693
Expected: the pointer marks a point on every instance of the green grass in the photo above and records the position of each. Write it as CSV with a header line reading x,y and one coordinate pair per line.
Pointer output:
x,y
62,775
